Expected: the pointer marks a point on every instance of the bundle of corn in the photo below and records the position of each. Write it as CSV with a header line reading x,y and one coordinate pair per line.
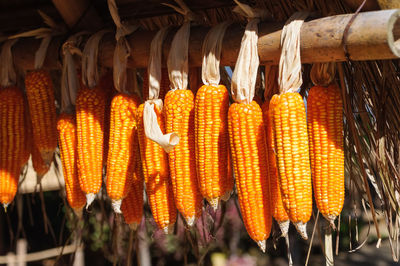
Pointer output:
x,y
325,130
247,141
12,140
179,117
278,211
132,204
290,131
211,124
154,158
67,138
122,143
40,94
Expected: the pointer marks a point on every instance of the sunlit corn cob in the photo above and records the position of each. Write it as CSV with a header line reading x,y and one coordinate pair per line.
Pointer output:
x,y
164,84
291,148
132,205
325,131
40,167
12,140
90,109
40,94
122,153
179,117
278,211
212,143
156,175
67,140
250,162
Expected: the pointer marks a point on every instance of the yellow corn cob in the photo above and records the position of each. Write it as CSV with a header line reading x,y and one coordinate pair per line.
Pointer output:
x,y
291,148
12,139
156,175
66,127
132,205
212,143
164,84
250,162
325,131
90,109
121,157
179,117
278,211
40,94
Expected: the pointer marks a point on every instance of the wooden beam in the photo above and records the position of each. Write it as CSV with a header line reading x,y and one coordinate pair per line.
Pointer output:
x,y
372,36
78,14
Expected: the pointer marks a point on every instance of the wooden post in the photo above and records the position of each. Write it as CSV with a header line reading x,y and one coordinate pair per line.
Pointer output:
x,y
22,247
373,35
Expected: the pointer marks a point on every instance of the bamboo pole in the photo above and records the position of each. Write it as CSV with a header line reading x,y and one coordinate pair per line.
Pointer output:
x,y
373,35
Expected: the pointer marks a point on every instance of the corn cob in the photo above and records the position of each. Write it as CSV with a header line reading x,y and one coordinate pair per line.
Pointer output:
x,y
325,131
12,139
212,142
164,84
121,157
90,109
66,126
156,175
250,161
132,205
40,94
291,148
278,211
179,117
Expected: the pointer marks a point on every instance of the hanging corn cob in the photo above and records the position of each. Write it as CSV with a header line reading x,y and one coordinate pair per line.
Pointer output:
x,y
12,127
325,130
66,126
132,205
154,158
211,124
90,110
12,140
179,117
278,211
290,132
247,141
121,155
40,93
